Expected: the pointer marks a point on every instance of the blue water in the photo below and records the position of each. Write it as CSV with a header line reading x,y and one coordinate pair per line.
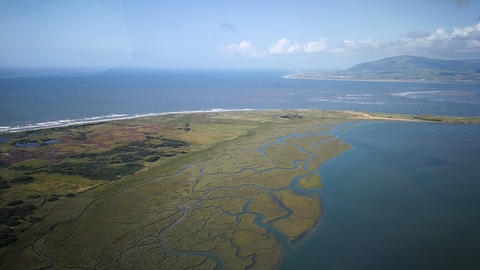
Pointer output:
x,y
406,196
49,142
27,144
50,99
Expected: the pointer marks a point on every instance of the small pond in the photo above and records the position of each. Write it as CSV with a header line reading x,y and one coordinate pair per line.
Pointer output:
x,y
35,144
51,142
27,144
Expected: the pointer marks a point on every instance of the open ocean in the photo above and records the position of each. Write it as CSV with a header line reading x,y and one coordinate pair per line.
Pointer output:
x,y
30,101
406,196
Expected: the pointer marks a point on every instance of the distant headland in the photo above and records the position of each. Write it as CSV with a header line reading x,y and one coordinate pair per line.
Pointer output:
x,y
403,68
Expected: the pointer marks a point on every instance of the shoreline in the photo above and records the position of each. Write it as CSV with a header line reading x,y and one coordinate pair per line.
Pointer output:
x,y
292,76
103,119
5,130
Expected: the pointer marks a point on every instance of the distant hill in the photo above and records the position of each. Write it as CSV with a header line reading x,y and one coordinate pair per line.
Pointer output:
x,y
414,63
404,68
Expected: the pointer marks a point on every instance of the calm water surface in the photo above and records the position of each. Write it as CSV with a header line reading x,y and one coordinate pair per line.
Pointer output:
x,y
406,196
53,99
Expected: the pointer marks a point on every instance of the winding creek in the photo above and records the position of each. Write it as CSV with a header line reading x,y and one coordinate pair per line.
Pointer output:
x,y
401,196
283,240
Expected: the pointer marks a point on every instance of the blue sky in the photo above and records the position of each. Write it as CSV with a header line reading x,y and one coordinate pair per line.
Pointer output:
x,y
298,34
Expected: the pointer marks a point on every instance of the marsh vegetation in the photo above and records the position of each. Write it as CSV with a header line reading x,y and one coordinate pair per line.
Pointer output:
x,y
211,190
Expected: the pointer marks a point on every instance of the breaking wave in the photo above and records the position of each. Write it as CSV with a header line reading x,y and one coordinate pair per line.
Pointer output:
x,y
98,119
441,96
364,99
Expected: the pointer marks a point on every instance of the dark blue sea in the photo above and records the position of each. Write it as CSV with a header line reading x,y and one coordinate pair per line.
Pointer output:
x,y
41,98
406,196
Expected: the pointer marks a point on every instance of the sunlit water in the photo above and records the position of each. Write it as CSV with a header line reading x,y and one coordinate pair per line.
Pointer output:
x,y
53,99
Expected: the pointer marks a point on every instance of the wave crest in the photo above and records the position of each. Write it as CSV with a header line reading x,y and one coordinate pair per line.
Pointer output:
x,y
99,119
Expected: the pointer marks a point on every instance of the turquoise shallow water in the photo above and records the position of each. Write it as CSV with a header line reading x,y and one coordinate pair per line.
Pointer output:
x,y
405,197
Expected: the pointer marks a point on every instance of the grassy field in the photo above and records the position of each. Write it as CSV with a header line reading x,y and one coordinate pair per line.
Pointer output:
x,y
175,191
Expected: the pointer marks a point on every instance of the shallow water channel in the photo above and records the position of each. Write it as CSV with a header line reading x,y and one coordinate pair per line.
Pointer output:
x,y
282,239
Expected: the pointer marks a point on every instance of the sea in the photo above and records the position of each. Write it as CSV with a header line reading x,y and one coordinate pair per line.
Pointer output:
x,y
406,196
32,99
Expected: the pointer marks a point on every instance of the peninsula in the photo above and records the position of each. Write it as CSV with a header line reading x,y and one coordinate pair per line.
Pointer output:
x,y
403,68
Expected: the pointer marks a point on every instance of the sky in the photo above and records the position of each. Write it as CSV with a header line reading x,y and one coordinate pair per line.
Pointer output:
x,y
300,34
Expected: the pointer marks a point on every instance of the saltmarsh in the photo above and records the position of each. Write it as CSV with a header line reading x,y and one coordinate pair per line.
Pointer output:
x,y
179,191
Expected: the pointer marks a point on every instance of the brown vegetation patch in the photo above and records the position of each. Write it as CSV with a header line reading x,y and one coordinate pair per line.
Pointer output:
x,y
15,156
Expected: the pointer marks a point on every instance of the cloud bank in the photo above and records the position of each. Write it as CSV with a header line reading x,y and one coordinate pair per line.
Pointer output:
x,y
447,44
282,46
456,43
244,49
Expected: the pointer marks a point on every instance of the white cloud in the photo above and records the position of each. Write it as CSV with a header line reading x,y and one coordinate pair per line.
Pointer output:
x,y
442,43
439,34
315,46
349,43
284,46
459,42
361,44
466,33
244,49
469,33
